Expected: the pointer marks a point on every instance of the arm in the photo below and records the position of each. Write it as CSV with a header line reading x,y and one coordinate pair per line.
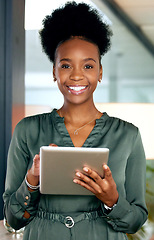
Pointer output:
x,y
17,198
130,212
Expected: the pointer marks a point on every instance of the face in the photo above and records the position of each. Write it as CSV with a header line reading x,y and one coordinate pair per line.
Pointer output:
x,y
77,70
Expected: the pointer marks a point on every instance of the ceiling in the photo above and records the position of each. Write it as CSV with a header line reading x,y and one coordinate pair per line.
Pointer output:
x,y
128,59
142,14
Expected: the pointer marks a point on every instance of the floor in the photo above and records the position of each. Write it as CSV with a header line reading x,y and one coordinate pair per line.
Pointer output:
x,y
5,235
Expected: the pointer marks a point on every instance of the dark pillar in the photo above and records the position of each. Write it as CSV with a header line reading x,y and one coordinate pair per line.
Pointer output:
x,y
12,64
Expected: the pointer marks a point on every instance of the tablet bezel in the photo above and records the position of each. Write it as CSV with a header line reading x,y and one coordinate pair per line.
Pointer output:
x,y
65,161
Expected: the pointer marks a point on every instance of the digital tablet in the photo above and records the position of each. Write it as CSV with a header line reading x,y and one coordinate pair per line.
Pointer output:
x,y
58,166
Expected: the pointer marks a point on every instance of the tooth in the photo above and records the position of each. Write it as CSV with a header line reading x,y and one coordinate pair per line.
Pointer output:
x,y
77,88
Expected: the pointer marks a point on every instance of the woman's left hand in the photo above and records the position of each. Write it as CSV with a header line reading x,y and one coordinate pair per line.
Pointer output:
x,y
104,188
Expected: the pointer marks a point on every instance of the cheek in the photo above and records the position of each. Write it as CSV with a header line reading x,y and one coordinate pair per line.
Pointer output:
x,y
95,85
94,77
61,75
61,84
60,87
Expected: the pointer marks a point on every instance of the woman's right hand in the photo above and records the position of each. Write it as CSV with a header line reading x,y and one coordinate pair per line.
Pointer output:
x,y
33,177
34,172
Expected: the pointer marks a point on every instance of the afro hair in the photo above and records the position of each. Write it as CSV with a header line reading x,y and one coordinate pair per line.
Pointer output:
x,y
74,20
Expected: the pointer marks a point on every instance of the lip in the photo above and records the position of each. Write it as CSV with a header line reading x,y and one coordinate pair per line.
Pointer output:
x,y
77,89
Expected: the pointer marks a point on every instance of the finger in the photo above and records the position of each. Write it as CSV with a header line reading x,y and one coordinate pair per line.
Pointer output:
x,y
88,181
83,184
36,159
107,172
53,145
94,175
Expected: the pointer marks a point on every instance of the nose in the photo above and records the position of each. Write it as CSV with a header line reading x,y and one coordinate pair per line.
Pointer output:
x,y
76,74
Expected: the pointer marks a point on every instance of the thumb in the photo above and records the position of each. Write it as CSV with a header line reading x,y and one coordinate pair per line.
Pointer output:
x,y
36,159
53,145
107,172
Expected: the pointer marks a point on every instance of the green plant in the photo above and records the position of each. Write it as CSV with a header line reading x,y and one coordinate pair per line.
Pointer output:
x,y
149,197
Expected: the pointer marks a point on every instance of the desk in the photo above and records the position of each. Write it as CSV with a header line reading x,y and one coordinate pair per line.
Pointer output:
x,y
5,235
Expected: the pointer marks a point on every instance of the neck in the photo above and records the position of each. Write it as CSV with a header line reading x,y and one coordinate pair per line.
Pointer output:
x,y
79,113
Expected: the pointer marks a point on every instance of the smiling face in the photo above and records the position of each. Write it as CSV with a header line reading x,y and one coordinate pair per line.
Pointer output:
x,y
77,70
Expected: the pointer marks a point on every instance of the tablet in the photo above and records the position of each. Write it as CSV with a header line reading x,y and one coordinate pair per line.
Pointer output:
x,y
59,164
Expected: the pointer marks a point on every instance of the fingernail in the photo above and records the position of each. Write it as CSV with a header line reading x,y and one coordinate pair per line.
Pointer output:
x,y
78,174
85,169
75,181
105,166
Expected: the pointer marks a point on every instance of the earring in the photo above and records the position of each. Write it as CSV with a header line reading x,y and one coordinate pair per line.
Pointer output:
x,y
100,80
54,79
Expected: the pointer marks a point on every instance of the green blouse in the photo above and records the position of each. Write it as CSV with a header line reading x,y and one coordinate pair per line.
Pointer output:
x,y
48,212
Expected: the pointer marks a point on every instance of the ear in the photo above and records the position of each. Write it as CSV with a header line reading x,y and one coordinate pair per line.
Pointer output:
x,y
101,73
54,76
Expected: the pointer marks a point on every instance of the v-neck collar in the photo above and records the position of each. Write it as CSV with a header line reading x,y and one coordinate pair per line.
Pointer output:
x,y
89,142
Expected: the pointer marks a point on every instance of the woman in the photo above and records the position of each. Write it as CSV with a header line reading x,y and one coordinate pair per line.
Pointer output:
x,y
74,38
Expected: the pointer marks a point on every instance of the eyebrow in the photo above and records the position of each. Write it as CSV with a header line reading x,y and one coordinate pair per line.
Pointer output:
x,y
69,60
65,59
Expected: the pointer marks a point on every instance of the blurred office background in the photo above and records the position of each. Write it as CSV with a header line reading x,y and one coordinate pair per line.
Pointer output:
x,y
127,89
128,66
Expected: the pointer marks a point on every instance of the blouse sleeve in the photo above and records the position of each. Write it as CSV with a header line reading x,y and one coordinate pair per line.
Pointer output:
x,y
130,213
17,198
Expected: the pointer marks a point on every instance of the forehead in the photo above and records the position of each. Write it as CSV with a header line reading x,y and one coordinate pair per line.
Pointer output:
x,y
77,48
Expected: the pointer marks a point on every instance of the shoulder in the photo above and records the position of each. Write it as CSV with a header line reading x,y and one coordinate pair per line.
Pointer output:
x,y
33,122
123,125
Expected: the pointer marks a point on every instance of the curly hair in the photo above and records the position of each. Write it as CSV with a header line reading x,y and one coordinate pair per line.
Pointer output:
x,y
74,20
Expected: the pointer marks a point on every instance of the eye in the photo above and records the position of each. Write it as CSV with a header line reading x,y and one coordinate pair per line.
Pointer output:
x,y
88,66
65,66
